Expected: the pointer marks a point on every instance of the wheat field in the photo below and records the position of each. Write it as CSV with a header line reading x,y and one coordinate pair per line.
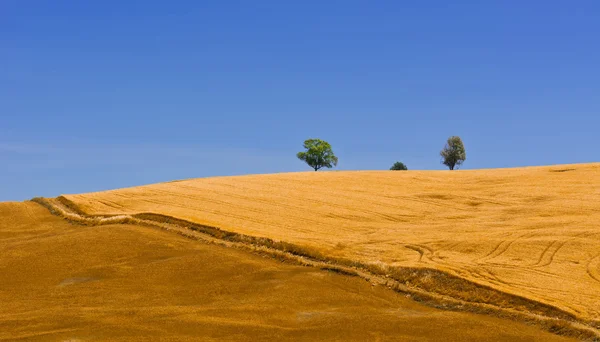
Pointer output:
x,y
532,232
123,282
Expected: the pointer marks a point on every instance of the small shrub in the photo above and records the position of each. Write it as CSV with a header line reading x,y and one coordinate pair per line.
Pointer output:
x,y
398,166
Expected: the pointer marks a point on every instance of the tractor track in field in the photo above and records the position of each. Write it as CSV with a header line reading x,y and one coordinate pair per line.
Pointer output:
x,y
434,287
593,268
548,254
501,248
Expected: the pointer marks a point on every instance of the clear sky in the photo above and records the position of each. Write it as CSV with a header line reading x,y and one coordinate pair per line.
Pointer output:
x,y
105,94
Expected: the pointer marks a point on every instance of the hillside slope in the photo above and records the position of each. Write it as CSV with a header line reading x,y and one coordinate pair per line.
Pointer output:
x,y
64,282
532,232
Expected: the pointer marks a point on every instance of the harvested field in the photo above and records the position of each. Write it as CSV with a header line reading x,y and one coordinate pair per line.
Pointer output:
x,y
124,282
531,234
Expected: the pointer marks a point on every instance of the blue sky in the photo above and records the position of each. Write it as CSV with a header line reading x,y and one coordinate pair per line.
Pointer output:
x,y
105,94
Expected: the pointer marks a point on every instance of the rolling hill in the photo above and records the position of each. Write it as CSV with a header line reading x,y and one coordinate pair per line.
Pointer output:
x,y
520,243
124,282
528,233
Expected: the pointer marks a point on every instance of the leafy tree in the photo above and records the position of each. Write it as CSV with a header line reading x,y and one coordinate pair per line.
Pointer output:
x,y
398,166
318,154
454,153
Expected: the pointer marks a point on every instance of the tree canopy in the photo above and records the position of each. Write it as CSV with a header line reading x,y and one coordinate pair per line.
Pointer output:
x,y
318,154
398,166
453,154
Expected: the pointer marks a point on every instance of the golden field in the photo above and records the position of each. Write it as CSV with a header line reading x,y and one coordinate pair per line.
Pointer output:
x,y
530,232
126,282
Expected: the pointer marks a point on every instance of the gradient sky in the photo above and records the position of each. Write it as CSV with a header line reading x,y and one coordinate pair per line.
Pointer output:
x,y
105,94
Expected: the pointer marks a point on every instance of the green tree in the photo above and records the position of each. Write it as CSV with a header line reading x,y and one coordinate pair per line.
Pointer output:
x,y
453,154
398,166
318,154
